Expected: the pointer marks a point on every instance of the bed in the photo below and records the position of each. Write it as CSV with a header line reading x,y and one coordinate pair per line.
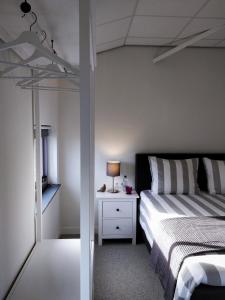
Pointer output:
x,y
205,205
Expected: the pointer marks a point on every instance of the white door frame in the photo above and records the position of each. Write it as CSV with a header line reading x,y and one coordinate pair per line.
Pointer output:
x,y
38,167
87,146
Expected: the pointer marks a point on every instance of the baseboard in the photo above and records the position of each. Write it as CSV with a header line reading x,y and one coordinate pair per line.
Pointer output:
x,y
73,230
70,230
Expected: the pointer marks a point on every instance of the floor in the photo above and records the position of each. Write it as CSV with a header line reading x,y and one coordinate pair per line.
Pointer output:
x,y
122,272
52,272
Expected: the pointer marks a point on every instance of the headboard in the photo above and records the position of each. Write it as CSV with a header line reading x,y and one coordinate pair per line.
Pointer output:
x,y
143,175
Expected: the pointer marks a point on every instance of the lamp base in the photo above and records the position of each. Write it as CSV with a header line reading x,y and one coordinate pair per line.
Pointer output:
x,y
113,191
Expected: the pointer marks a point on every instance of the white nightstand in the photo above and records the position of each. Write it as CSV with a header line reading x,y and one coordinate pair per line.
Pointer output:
x,y
117,216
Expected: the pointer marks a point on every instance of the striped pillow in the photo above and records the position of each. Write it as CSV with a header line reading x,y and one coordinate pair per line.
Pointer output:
x,y
215,170
174,176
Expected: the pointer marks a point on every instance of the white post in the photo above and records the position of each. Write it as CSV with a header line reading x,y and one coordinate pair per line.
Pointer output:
x,y
87,149
38,161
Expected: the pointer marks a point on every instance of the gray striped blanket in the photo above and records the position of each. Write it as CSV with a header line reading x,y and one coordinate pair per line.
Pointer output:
x,y
185,205
205,269
179,238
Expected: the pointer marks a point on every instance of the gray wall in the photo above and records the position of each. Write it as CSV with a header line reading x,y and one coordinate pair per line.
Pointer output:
x,y
49,115
17,193
177,105
69,161
17,234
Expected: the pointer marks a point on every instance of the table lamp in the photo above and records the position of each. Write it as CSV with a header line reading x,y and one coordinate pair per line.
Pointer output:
x,y
113,170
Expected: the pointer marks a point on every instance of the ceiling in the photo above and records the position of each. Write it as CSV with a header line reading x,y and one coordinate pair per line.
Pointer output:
x,y
157,22
119,22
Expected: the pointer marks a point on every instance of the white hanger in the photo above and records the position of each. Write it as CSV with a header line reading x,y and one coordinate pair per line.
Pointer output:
x,y
51,73
55,74
37,78
30,67
33,57
31,38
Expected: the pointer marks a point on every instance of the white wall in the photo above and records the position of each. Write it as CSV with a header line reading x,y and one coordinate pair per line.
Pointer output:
x,y
51,219
17,234
49,115
174,106
177,105
69,161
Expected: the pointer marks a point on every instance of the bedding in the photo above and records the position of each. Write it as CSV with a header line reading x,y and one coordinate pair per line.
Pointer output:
x,y
174,176
215,170
156,209
179,238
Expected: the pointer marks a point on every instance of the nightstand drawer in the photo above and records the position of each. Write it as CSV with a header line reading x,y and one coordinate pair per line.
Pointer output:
x,y
117,227
117,209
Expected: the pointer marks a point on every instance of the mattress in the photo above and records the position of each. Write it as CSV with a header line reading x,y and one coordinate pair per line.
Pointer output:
x,y
155,207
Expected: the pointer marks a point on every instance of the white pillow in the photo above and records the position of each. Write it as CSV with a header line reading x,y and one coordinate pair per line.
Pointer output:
x,y
174,176
215,171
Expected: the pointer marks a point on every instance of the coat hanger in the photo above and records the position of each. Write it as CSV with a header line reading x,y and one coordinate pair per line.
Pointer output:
x,y
51,71
33,57
31,67
32,39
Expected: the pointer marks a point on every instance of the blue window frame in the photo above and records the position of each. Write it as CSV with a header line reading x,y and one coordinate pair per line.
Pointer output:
x,y
44,136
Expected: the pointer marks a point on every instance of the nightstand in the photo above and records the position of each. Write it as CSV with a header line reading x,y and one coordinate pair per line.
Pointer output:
x,y
117,216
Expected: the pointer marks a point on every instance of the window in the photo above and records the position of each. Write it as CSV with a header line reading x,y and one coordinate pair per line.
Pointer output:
x,y
44,138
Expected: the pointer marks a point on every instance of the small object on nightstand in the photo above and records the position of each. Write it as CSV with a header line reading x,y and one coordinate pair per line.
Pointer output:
x,y
128,189
102,189
117,216
117,188
124,183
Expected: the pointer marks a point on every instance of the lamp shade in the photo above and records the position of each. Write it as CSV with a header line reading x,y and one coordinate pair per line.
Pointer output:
x,y
113,168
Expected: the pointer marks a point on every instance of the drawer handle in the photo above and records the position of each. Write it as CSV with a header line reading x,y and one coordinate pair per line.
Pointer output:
x,y
117,227
117,209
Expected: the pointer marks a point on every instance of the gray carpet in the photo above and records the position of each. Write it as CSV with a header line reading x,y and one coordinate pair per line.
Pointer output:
x,y
122,272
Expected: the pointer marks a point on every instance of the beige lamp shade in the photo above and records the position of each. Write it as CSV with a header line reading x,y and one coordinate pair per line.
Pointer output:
x,y
113,168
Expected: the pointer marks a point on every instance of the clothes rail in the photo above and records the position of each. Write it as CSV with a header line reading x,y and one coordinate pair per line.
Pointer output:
x,y
50,88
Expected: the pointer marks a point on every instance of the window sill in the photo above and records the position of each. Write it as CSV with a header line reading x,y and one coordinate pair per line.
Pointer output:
x,y
48,195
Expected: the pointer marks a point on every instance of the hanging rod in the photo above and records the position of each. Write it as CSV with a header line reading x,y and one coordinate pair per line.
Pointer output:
x,y
31,81
49,88
46,126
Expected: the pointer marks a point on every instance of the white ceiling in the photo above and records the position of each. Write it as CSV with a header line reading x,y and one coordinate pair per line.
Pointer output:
x,y
119,22
157,22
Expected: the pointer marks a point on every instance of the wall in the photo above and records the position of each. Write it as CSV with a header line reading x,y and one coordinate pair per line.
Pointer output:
x,y
17,234
49,115
49,102
173,106
177,105
69,161
51,219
